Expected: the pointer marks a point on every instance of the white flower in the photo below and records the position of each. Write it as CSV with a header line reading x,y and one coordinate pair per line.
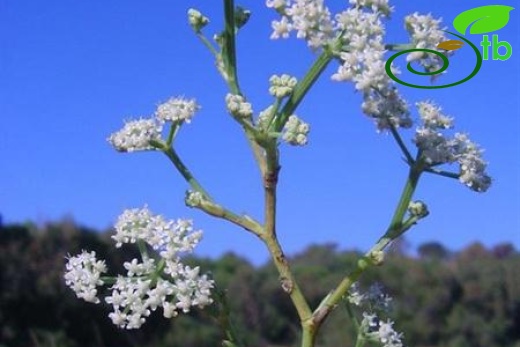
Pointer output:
x,y
425,32
295,131
83,273
238,107
363,53
169,238
374,5
438,148
388,336
136,135
281,86
387,108
177,110
310,19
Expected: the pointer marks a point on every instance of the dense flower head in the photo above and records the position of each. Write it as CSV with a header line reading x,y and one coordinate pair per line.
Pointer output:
x,y
158,280
439,148
425,32
83,273
238,107
177,110
136,135
170,238
311,20
295,131
281,86
387,109
362,58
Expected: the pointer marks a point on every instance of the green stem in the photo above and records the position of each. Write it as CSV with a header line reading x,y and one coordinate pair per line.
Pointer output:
x,y
360,341
303,87
442,173
395,229
402,146
185,172
208,44
229,49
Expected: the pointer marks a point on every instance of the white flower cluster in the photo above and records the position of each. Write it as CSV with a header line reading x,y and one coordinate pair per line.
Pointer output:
x,y
177,110
372,326
374,5
310,19
363,54
375,297
163,281
238,107
387,108
136,135
363,64
381,330
295,131
425,32
437,148
282,86
83,274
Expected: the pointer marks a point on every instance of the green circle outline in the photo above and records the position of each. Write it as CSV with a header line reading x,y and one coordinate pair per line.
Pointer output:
x,y
445,65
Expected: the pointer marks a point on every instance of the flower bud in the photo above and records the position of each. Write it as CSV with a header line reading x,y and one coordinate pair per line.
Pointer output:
x,y
418,209
197,20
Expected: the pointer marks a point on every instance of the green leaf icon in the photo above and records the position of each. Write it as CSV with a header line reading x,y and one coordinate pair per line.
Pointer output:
x,y
482,20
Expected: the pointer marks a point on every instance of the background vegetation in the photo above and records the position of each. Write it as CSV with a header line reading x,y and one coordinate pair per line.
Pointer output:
x,y
469,298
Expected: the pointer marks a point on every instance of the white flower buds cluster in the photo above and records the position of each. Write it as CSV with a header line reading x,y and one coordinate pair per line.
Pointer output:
x,y
282,86
137,135
197,20
437,148
238,107
295,131
418,209
159,281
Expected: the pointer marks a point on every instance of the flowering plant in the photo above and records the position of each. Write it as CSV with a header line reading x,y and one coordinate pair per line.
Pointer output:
x,y
354,38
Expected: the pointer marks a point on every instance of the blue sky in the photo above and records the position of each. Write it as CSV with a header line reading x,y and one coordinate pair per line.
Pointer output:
x,y
71,71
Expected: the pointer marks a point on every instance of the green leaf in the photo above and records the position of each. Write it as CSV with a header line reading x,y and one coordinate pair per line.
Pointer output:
x,y
482,20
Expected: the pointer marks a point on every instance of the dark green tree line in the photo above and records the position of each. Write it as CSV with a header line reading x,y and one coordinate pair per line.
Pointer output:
x,y
441,298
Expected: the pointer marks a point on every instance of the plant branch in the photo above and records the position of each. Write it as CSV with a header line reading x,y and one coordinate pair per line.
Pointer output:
x,y
395,229
184,171
302,87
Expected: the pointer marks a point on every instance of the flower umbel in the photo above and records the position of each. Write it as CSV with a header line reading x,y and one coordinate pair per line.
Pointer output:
x,y
136,135
177,110
437,148
157,280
